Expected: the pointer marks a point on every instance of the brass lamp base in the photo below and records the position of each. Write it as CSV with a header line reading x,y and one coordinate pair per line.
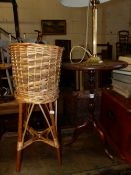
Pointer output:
x,y
93,60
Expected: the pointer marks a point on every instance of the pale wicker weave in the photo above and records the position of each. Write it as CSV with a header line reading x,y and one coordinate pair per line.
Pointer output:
x,y
36,72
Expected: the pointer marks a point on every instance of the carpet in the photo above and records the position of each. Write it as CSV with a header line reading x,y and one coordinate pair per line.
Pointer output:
x,y
84,157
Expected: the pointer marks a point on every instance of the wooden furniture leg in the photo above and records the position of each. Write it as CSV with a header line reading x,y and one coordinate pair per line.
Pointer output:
x,y
54,128
19,141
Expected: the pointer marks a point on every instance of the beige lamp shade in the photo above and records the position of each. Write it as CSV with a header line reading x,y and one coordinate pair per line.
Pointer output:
x,y
79,3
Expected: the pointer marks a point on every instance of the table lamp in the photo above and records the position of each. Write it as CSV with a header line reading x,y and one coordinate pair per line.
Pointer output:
x,y
85,3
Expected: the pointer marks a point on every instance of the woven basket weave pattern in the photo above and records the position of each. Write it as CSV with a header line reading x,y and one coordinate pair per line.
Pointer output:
x,y
36,71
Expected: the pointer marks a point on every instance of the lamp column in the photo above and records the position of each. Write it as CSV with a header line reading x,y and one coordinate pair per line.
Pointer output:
x,y
94,58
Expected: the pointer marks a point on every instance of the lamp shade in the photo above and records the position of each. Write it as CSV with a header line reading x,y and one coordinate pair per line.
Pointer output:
x,y
78,3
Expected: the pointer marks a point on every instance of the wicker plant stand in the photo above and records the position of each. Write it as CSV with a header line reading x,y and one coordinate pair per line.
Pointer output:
x,y
36,72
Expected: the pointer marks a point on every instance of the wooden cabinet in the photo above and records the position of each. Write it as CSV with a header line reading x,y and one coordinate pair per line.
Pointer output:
x,y
115,120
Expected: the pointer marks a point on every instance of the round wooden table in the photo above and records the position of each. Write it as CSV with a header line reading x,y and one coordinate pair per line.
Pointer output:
x,y
92,70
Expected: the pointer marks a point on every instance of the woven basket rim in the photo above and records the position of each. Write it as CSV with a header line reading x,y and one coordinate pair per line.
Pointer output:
x,y
35,44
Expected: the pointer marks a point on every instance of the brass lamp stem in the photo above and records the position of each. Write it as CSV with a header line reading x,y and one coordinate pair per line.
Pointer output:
x,y
94,21
94,59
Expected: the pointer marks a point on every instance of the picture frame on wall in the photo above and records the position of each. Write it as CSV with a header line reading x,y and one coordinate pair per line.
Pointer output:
x,y
53,27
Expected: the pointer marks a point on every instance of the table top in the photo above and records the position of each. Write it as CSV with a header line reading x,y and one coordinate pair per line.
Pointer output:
x,y
10,107
5,66
105,65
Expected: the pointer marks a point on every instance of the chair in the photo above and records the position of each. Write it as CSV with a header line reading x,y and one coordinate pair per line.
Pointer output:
x,y
36,71
122,44
123,36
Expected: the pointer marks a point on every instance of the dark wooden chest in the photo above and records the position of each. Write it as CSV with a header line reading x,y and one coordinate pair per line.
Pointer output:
x,y
115,120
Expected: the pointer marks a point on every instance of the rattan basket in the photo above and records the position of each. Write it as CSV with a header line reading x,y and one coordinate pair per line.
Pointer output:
x,y
36,71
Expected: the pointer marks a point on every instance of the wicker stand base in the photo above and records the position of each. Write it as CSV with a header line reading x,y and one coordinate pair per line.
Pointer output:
x,y
28,135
